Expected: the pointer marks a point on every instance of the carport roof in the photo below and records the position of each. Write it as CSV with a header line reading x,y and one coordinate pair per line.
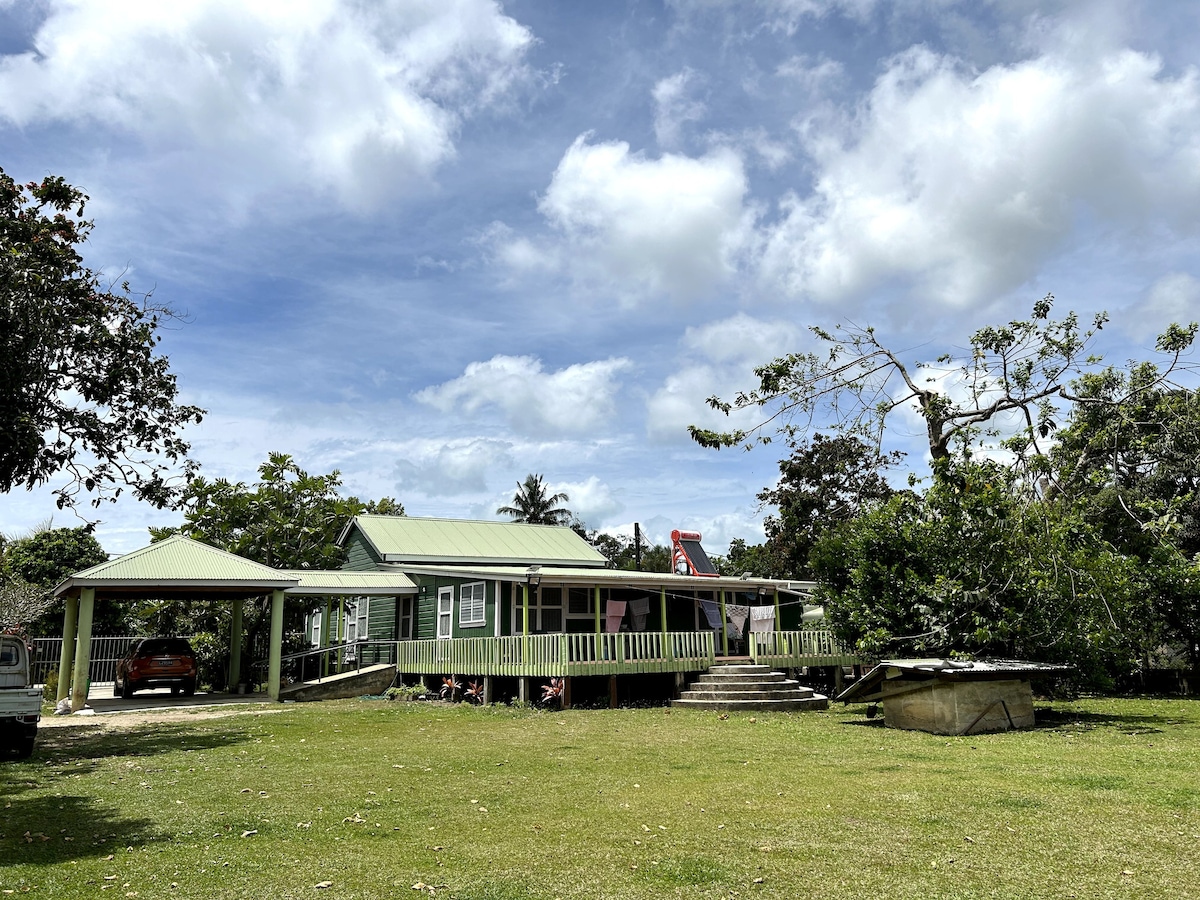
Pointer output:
x,y
181,564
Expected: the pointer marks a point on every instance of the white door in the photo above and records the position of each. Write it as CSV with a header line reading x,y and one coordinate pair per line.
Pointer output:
x,y
445,613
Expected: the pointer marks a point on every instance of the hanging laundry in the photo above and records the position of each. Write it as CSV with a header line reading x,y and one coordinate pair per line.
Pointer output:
x,y
738,615
762,618
614,613
712,612
640,609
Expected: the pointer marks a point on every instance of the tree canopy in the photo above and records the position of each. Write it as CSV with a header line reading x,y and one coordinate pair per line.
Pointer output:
x,y
32,566
533,505
288,519
83,388
1062,522
1016,374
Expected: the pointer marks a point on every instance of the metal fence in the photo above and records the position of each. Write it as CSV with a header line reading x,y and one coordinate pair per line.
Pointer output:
x,y
106,651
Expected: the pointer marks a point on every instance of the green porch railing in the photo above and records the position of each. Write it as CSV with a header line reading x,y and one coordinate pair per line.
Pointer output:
x,y
558,655
626,653
794,649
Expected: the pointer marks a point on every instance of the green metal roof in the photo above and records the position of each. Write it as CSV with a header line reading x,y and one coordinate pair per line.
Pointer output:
x,y
579,576
341,581
179,562
460,541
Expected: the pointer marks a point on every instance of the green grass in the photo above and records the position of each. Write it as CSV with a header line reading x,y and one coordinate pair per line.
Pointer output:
x,y
1102,800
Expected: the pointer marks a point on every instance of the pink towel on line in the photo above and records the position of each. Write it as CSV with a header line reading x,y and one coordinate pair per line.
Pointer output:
x,y
614,613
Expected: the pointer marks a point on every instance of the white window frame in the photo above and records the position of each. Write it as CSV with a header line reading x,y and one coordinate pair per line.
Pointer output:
x,y
445,612
473,615
406,618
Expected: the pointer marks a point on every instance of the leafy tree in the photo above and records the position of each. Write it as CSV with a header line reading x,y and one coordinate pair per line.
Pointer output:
x,y
1020,371
758,559
288,519
21,604
534,506
1132,466
46,558
974,566
824,482
83,390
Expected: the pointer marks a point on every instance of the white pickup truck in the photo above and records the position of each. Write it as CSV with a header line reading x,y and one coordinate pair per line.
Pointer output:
x,y
20,704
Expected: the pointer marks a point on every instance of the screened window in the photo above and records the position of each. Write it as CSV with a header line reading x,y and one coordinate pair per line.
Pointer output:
x,y
471,605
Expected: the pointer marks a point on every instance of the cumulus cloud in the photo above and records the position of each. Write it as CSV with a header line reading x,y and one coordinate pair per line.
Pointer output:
x,y
591,500
577,399
1174,297
674,107
449,468
673,225
359,99
717,358
962,184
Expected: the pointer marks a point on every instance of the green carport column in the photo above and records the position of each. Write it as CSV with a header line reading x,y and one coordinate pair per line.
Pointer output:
x,y
83,650
235,645
67,657
276,657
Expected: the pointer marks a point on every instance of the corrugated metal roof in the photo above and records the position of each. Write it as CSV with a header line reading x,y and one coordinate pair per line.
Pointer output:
x,y
388,584
864,689
179,560
575,575
421,540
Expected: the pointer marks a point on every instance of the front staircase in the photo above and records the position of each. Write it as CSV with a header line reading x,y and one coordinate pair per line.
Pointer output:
x,y
749,687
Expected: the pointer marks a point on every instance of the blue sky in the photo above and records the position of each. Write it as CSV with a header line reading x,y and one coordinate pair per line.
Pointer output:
x,y
440,244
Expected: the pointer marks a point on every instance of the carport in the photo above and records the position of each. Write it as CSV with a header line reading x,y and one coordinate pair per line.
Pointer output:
x,y
181,566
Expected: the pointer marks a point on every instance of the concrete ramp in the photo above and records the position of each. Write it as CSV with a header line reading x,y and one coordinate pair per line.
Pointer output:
x,y
367,680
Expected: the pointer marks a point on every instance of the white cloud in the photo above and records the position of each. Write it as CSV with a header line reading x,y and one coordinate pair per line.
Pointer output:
x,y
674,107
1174,297
717,358
448,468
360,99
592,500
673,225
963,184
577,399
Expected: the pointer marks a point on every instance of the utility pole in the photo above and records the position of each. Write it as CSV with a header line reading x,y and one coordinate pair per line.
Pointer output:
x,y
637,546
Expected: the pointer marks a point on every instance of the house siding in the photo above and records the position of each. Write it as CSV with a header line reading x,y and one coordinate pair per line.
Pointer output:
x,y
359,555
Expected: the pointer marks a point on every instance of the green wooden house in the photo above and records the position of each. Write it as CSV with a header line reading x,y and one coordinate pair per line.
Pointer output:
x,y
536,601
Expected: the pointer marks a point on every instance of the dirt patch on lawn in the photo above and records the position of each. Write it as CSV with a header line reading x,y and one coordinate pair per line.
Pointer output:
x,y
119,721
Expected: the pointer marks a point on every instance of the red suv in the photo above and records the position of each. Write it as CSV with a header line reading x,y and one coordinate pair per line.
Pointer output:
x,y
157,662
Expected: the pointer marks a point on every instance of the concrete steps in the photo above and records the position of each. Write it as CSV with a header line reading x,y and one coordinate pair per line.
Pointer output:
x,y
748,687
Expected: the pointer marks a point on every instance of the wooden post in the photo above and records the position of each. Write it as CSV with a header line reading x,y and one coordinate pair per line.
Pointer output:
x,y
323,640
662,604
275,658
724,630
612,692
566,694
66,657
83,650
489,690
525,610
235,645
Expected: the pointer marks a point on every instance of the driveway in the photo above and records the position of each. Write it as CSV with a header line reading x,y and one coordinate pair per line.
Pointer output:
x,y
102,701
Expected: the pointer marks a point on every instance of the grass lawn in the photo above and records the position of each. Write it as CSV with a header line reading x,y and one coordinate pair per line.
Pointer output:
x,y
372,798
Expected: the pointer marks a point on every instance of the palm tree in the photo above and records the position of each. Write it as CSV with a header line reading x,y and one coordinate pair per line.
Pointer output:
x,y
531,504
